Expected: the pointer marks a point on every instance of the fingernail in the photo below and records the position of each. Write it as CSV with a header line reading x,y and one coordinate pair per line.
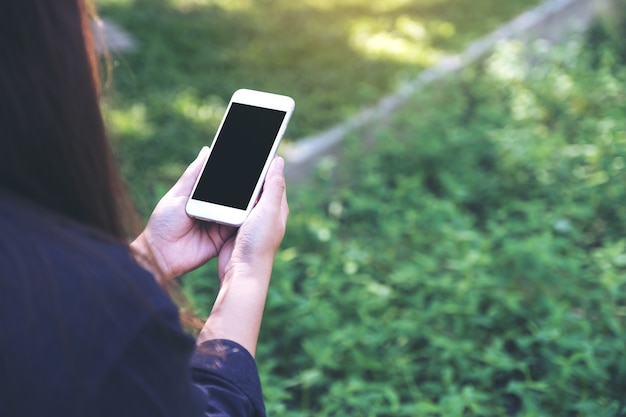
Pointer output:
x,y
203,151
281,162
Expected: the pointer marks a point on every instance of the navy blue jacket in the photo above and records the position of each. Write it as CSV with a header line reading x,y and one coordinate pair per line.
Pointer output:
x,y
85,331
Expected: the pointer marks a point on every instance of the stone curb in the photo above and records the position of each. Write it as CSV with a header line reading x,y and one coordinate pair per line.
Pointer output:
x,y
553,20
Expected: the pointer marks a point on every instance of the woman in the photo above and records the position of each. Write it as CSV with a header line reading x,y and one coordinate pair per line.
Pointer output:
x,y
85,329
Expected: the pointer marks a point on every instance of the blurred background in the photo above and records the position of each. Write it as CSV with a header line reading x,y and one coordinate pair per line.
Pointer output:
x,y
465,256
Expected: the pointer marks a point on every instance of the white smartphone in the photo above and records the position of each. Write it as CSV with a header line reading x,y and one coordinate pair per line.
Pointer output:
x,y
242,150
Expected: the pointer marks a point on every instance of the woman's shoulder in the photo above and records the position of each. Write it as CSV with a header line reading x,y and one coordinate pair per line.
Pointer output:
x,y
71,300
52,255
27,225
36,240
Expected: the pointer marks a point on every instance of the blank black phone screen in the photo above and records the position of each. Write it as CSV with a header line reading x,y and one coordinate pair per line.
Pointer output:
x,y
238,156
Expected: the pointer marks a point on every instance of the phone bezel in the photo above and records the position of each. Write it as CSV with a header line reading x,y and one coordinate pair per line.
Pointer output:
x,y
228,215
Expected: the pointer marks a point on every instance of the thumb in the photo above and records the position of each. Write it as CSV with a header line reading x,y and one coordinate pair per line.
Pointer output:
x,y
185,183
274,186
274,194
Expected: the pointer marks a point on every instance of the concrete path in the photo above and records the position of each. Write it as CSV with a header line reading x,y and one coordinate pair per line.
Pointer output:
x,y
553,20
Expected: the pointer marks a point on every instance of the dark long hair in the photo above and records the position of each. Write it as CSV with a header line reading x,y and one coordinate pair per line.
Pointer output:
x,y
53,146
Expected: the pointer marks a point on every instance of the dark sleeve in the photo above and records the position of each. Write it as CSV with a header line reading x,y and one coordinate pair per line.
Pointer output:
x,y
227,373
152,376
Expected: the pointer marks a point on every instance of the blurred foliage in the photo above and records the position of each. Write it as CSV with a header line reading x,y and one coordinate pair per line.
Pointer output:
x,y
166,97
467,258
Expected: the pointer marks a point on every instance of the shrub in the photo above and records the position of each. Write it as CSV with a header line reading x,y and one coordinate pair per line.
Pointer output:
x,y
469,257
169,93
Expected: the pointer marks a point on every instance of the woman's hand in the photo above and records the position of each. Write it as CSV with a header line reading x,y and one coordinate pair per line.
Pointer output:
x,y
245,266
174,243
258,239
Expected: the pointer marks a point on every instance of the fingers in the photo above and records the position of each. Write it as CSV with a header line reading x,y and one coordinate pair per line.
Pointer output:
x,y
193,170
284,206
275,189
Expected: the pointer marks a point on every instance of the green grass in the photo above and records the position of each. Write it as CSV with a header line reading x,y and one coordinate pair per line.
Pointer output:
x,y
333,57
467,262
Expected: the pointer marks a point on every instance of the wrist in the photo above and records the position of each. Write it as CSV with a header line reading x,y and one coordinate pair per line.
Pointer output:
x,y
238,310
254,274
142,252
